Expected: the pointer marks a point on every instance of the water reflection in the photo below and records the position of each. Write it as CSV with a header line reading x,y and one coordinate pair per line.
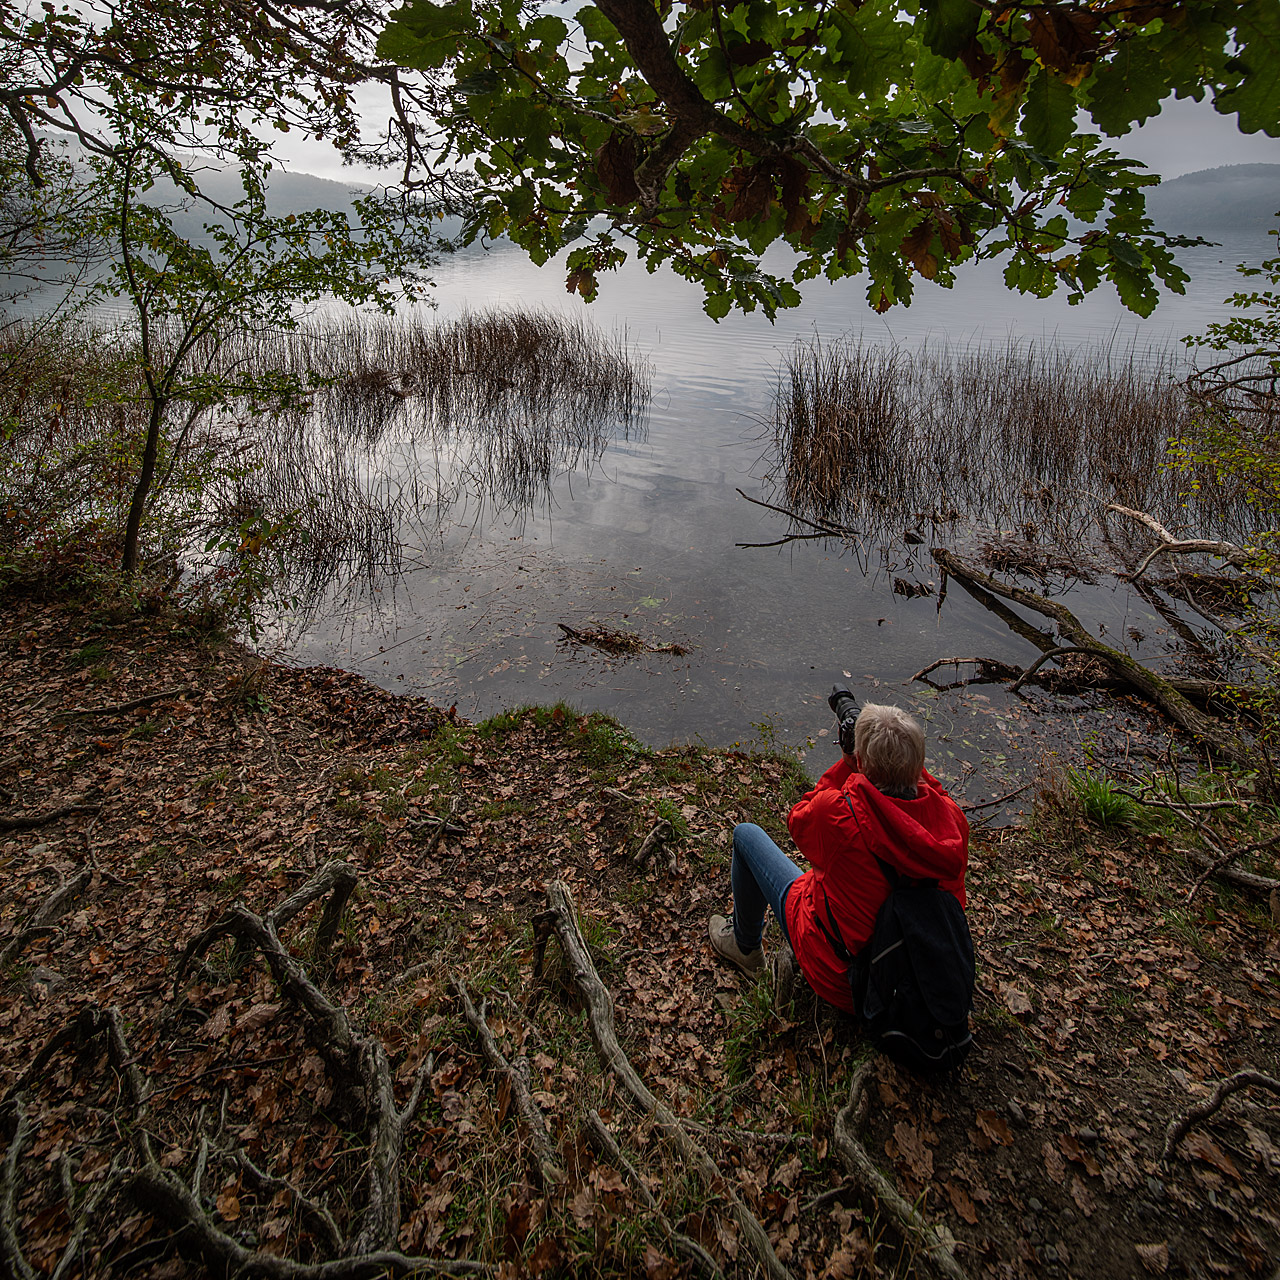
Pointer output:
x,y
412,425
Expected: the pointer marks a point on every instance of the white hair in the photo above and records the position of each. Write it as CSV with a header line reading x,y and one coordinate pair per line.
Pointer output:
x,y
890,745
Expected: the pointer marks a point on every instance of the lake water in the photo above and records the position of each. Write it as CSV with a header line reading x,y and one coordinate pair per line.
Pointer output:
x,y
646,536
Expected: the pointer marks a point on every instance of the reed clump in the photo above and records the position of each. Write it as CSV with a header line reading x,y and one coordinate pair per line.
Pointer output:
x,y
347,436
1014,435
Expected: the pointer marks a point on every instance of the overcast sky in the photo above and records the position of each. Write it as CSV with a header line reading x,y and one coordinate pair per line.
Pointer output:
x,y
1187,136
1184,137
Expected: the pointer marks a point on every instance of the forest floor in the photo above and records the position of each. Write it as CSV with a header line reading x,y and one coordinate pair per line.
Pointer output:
x,y
1106,1005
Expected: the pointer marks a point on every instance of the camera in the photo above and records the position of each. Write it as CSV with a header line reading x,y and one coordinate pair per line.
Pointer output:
x,y
845,707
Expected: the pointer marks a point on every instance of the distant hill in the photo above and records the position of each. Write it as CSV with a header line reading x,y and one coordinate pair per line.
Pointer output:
x,y
1236,199
286,193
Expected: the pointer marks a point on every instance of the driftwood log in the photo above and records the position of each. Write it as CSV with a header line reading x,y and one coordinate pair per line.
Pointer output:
x,y
561,917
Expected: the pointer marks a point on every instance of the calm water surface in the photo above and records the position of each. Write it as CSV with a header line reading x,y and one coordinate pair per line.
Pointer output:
x,y
646,538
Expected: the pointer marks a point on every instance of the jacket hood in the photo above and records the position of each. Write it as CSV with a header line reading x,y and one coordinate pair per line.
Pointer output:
x,y
926,838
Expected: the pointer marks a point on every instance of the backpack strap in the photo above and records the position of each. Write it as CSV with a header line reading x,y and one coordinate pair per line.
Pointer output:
x,y
833,935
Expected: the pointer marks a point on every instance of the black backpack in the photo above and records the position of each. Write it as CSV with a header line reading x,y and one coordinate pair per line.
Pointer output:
x,y
913,982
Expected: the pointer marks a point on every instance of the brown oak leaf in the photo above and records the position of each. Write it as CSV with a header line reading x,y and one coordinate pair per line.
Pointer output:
x,y
996,1127
1055,1166
961,1203
1204,1148
911,1148
1077,1154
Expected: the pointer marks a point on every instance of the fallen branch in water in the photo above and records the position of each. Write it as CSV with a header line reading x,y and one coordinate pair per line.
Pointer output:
x,y
825,527
1236,556
616,642
987,804
1152,686
1180,1126
561,917
847,1122
990,671
1041,660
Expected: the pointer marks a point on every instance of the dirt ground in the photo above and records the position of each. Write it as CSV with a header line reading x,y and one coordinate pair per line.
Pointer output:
x,y
1106,1004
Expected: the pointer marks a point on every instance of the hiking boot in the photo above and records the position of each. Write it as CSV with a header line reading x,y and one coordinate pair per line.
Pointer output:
x,y
725,945
783,971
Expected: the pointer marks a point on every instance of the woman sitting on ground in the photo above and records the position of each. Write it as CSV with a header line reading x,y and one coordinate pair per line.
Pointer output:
x,y
879,804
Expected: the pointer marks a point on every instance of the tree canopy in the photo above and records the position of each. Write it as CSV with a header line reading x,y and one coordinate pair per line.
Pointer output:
x,y
900,138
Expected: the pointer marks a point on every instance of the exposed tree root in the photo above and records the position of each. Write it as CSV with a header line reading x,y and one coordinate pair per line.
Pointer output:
x,y
1152,686
516,1077
561,917
318,1213
361,1064
663,832
118,708
28,821
355,1057
607,1145
41,922
83,1215
1180,1126
848,1121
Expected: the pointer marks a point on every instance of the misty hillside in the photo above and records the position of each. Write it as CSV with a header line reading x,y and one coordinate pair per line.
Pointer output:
x,y
1237,199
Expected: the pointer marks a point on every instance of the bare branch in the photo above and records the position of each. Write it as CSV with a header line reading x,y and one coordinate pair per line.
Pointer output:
x,y
28,821
147,700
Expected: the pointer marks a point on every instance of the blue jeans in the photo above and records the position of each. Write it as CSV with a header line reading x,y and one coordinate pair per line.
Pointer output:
x,y
761,875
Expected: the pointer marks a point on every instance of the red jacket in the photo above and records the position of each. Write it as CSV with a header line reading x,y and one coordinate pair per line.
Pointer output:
x,y
841,827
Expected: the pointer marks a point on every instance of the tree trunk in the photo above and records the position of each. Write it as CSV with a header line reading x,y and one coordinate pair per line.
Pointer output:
x,y
133,527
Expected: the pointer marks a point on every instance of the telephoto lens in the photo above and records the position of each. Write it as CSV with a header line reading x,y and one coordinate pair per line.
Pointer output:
x,y
842,703
845,706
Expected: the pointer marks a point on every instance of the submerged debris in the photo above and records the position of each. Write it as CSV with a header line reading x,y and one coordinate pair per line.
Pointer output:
x,y
618,642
